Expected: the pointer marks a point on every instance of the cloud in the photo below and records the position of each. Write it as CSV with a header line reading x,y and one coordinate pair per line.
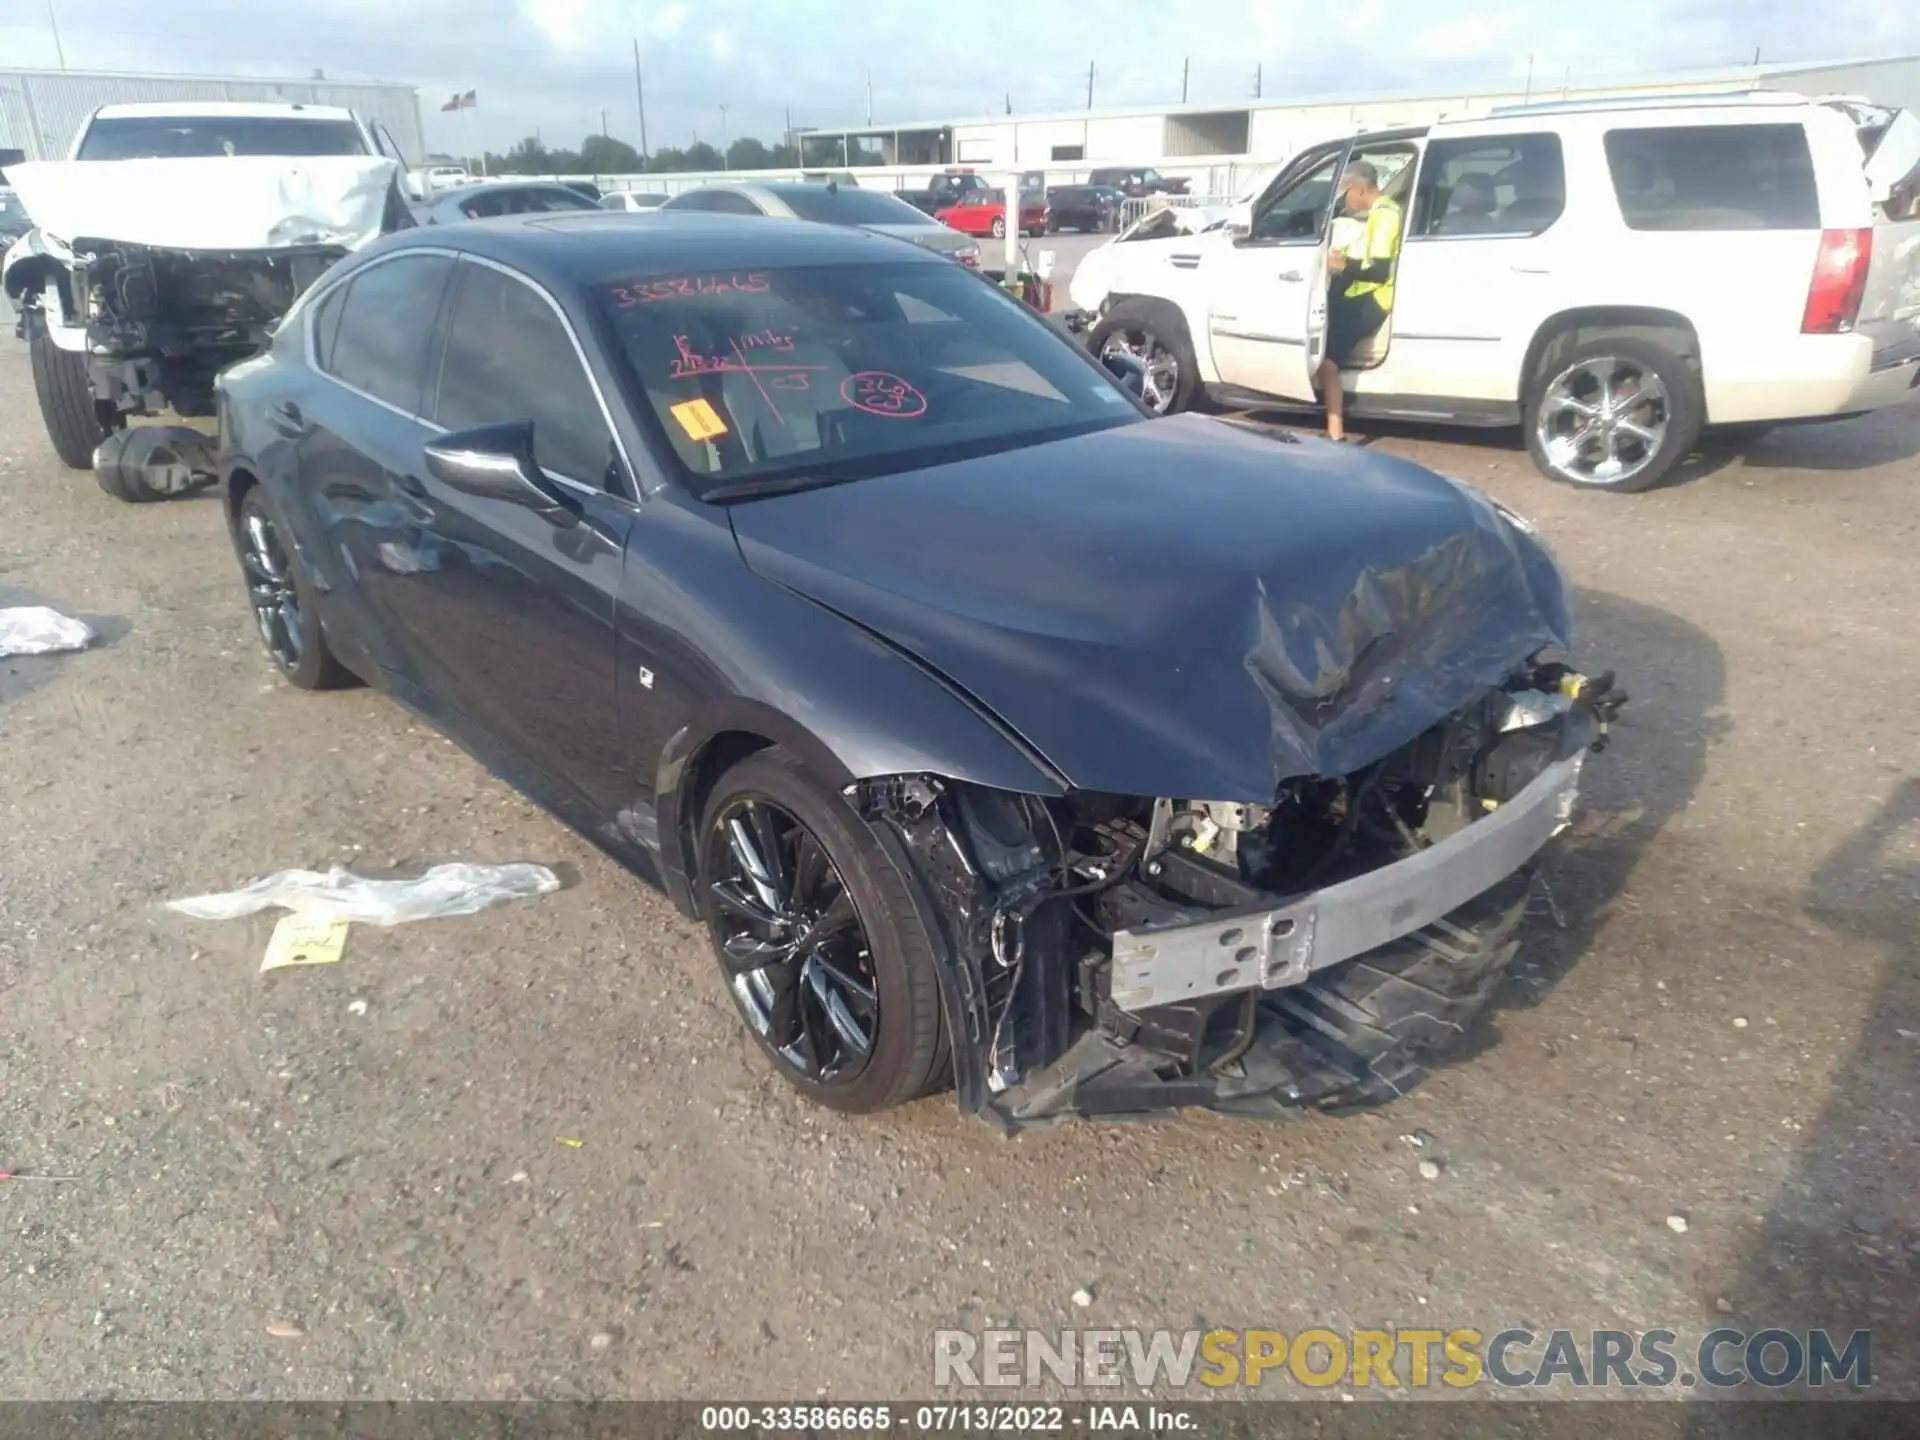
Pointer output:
x,y
554,65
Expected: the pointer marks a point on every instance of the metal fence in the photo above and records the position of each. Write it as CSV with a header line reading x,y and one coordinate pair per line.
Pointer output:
x,y
1134,211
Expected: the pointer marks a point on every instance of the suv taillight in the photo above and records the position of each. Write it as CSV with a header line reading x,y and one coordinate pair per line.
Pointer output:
x,y
1839,282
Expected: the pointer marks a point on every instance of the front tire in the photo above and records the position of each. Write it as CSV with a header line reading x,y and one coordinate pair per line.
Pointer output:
x,y
1613,412
66,400
1156,335
998,229
825,954
282,599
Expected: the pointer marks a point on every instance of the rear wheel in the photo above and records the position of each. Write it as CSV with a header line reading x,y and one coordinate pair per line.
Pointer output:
x,y
1613,412
282,599
824,953
66,399
1156,336
999,228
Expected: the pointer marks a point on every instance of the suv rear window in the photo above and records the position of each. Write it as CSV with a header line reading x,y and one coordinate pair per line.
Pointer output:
x,y
191,137
1714,177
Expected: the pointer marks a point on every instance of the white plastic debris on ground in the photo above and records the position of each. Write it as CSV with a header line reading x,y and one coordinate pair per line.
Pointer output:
x,y
223,202
452,889
36,630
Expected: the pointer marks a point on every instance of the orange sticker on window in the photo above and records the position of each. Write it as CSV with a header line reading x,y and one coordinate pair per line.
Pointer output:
x,y
699,419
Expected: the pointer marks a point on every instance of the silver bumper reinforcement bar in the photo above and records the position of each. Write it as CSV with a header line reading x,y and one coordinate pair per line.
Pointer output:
x,y
1271,948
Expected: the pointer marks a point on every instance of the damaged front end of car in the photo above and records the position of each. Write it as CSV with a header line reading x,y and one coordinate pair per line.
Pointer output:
x,y
162,323
1113,957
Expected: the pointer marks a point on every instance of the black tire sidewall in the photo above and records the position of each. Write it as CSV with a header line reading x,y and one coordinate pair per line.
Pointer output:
x,y
317,670
998,230
66,399
908,1052
1686,404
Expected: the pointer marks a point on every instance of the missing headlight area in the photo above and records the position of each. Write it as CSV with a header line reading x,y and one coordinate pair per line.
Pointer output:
x,y
1113,956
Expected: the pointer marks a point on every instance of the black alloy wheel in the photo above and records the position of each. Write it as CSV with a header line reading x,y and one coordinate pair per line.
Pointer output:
x,y
283,609
800,964
825,951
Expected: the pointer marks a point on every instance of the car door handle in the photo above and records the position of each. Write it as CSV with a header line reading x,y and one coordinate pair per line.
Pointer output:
x,y
1290,277
284,416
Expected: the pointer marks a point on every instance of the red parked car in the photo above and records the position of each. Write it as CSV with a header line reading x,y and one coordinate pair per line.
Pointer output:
x,y
984,212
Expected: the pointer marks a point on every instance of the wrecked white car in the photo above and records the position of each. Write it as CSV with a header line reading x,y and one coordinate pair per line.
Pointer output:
x,y
167,248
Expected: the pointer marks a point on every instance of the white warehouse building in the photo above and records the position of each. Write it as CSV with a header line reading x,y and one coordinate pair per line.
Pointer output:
x,y
1219,147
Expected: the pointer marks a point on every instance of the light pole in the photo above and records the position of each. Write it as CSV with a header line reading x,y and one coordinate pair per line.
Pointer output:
x,y
723,138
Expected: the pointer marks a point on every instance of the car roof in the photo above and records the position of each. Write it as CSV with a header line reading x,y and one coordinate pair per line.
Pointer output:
x,y
589,247
250,109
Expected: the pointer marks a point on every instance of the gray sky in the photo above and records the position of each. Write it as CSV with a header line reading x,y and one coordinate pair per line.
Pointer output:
x,y
554,64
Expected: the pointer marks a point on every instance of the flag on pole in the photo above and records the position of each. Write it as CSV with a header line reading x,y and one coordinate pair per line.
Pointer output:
x,y
462,102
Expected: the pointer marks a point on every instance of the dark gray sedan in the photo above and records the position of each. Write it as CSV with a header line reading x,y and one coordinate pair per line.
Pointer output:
x,y
830,204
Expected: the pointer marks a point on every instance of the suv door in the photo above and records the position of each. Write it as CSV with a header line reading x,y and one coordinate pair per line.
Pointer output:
x,y
1477,263
1257,284
516,606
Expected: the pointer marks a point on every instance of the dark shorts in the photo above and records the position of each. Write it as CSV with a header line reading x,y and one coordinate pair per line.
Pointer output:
x,y
1350,320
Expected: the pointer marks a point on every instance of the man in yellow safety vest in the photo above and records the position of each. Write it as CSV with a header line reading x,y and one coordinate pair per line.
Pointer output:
x,y
1360,283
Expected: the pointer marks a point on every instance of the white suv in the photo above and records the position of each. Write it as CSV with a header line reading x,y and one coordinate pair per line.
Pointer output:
x,y
1611,276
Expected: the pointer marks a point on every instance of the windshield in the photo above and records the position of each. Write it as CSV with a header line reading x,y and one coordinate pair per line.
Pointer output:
x,y
183,137
775,379
849,207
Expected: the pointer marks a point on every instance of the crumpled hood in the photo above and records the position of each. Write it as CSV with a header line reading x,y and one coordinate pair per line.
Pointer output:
x,y
1184,607
220,203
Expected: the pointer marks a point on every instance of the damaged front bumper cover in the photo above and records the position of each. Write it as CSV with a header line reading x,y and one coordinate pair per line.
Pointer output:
x,y
1270,948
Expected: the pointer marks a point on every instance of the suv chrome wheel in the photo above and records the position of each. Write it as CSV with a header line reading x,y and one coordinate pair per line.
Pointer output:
x,y
1603,420
799,962
1162,380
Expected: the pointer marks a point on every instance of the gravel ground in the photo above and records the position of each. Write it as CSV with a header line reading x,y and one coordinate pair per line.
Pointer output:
x,y
349,1181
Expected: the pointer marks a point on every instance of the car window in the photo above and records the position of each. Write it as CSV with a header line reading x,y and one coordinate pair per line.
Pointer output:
x,y
380,345
176,137
1491,185
731,202
1714,177
850,207
386,144
326,324
846,371
508,357
1299,212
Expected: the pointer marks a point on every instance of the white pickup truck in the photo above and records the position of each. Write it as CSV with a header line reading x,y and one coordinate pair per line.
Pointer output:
x,y
1612,277
168,245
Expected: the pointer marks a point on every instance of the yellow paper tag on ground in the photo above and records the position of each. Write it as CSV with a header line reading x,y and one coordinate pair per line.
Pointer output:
x,y
699,419
303,940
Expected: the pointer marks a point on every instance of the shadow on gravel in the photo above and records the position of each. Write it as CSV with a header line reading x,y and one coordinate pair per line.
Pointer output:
x,y
22,673
1840,1246
1653,763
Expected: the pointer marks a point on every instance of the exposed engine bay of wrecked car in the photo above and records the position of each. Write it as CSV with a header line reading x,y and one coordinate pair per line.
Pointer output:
x,y
1120,956
164,271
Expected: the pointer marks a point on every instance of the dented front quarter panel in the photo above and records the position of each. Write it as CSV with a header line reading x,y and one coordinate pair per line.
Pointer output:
x,y
1184,606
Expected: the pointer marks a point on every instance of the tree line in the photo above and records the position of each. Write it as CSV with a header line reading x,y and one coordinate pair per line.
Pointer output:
x,y
605,155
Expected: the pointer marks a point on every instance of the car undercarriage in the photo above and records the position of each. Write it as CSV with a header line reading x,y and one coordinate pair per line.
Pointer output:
x,y
1114,957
